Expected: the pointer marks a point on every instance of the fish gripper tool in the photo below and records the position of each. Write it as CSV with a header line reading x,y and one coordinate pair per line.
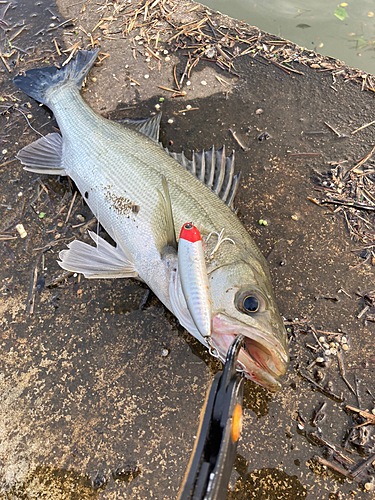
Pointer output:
x,y
214,452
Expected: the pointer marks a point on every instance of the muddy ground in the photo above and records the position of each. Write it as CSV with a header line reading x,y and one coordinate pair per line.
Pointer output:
x,y
101,399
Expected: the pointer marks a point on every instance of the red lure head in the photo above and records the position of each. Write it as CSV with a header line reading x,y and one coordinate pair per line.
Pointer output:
x,y
190,233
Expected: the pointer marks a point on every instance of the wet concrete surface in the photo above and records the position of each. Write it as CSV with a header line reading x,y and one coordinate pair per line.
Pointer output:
x,y
100,399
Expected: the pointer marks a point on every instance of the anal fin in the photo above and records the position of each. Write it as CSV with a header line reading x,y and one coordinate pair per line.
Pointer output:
x,y
101,261
43,156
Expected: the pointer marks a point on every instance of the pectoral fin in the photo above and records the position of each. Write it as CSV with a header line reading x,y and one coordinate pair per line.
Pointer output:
x,y
166,237
102,261
43,156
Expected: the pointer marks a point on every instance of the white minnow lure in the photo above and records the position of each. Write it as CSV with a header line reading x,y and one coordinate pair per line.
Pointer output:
x,y
194,280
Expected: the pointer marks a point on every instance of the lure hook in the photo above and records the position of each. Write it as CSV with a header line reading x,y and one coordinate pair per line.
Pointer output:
x,y
220,240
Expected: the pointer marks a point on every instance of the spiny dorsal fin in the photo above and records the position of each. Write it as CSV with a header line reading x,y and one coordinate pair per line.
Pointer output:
x,y
214,170
149,126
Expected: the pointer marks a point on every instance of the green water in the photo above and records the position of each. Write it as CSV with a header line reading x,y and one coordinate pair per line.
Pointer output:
x,y
313,24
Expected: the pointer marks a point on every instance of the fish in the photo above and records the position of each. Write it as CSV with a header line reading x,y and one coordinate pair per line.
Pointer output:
x,y
142,194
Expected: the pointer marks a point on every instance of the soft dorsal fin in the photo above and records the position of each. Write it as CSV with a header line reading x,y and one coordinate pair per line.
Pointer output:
x,y
214,170
149,126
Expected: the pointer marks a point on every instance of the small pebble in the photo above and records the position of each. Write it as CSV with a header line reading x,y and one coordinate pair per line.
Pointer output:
x,y
325,345
167,58
164,352
259,111
165,52
319,375
93,79
188,83
294,217
344,340
148,59
21,230
332,344
170,120
157,107
327,352
320,359
203,82
147,76
188,106
210,53
345,347
369,486
322,339
4,151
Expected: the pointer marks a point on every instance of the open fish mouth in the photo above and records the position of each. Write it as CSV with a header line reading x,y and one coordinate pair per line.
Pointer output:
x,y
262,359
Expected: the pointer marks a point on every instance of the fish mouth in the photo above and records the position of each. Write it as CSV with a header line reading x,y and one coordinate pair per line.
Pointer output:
x,y
262,359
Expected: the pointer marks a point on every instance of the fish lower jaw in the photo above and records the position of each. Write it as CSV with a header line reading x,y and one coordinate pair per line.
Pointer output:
x,y
258,361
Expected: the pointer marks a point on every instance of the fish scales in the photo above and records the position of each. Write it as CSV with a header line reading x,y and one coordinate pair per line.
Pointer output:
x,y
132,186
115,167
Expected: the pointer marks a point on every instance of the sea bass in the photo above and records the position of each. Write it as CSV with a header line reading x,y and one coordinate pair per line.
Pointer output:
x,y
142,195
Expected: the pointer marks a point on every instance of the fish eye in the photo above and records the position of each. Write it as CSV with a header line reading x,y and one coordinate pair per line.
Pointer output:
x,y
250,304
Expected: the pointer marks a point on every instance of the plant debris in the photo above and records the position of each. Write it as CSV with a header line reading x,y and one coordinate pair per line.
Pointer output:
x,y
350,191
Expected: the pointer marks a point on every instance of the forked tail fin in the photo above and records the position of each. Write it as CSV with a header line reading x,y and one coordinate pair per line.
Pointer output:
x,y
37,82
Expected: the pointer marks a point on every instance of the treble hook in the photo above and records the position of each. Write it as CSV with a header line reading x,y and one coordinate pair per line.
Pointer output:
x,y
220,240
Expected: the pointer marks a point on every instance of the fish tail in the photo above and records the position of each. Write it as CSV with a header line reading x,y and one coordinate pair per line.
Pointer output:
x,y
37,82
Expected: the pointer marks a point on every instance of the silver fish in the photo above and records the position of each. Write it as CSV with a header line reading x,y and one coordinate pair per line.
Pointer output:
x,y
142,195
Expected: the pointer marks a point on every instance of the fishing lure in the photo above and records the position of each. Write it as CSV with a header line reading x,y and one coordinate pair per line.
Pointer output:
x,y
194,279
